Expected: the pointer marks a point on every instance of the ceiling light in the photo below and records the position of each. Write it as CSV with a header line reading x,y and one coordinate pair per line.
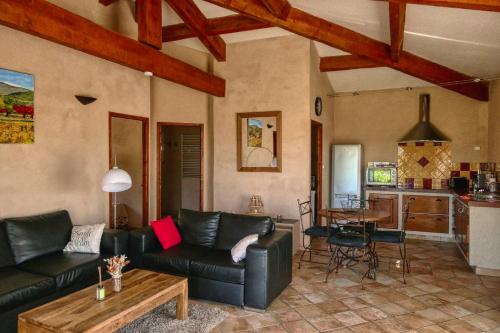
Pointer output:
x,y
477,79
148,74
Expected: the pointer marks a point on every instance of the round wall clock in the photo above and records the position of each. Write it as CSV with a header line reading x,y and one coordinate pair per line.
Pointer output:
x,y
318,106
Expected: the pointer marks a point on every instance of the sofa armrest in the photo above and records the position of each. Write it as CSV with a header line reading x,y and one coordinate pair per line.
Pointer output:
x,y
114,242
268,268
142,241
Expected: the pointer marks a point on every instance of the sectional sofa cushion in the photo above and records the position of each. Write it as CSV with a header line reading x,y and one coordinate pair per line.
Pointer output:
x,y
218,265
67,268
166,232
175,260
18,287
234,227
33,236
6,258
198,228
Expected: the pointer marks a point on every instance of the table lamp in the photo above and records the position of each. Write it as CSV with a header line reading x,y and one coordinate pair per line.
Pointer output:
x,y
114,181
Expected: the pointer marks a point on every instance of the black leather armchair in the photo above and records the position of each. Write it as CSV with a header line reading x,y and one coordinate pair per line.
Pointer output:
x,y
34,269
268,269
206,260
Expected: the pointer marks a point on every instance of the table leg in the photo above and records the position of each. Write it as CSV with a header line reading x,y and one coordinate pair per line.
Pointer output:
x,y
182,304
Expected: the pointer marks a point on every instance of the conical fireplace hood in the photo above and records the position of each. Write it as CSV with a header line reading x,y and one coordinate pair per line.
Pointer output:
x,y
424,130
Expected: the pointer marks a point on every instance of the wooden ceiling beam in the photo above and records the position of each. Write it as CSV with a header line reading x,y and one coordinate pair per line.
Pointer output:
x,y
216,26
346,62
485,5
48,21
331,34
196,21
106,2
397,13
148,14
279,8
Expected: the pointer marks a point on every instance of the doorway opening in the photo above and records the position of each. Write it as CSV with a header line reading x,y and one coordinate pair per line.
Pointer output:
x,y
180,167
129,147
316,169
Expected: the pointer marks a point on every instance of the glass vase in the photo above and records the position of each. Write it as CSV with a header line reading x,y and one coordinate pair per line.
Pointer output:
x,y
117,282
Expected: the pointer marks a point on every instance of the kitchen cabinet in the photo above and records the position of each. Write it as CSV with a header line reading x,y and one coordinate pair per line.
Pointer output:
x,y
427,223
421,204
461,230
387,203
427,213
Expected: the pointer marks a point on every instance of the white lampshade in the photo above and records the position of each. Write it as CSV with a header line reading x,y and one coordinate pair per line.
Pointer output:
x,y
116,180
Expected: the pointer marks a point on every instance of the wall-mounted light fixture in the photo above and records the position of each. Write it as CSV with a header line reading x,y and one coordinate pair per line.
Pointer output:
x,y
85,99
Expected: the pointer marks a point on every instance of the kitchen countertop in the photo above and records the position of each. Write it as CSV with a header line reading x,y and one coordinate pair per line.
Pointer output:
x,y
406,189
468,200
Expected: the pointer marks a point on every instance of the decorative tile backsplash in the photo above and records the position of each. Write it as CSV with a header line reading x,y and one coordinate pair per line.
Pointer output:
x,y
424,164
428,165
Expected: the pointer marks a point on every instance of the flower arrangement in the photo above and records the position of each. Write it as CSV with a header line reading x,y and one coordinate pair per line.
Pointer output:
x,y
116,264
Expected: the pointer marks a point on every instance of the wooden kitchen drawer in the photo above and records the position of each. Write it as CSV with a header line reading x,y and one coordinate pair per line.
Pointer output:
x,y
428,223
427,204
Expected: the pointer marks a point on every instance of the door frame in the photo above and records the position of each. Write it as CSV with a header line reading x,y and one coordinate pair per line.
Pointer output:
x,y
319,166
159,132
145,163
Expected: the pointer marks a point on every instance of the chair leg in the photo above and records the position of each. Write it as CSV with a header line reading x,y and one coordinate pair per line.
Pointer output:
x,y
406,259
307,248
403,259
333,258
375,255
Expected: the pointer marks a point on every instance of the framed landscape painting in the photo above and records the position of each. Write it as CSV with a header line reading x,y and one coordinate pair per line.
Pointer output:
x,y
16,107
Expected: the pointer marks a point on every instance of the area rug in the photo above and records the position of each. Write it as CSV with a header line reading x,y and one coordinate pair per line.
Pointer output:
x,y
201,319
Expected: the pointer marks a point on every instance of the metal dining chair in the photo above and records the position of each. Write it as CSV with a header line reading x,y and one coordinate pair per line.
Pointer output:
x,y
312,231
394,237
350,242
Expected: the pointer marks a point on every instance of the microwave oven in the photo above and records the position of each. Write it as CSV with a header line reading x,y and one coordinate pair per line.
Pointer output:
x,y
382,176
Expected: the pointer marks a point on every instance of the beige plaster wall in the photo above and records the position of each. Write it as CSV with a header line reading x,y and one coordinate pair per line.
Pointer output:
x,y
265,75
494,123
378,120
174,103
63,168
320,86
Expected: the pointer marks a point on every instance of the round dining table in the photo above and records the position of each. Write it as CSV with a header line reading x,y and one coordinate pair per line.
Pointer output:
x,y
368,215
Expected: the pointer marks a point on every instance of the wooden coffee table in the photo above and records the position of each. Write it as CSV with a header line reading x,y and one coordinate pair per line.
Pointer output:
x,y
142,291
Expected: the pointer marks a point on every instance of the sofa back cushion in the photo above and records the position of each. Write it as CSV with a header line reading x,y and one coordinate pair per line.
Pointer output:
x,y
6,258
233,227
33,236
198,228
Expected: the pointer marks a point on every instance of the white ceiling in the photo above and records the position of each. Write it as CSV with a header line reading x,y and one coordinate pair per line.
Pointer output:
x,y
464,40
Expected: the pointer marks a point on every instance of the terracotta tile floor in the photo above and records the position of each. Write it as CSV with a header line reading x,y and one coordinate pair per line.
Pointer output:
x,y
441,295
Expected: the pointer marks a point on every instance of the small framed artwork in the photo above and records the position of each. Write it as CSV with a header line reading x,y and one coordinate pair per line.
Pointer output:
x,y
16,107
259,141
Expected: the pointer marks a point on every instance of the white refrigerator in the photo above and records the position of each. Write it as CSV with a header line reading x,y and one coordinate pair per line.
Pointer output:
x,y
347,178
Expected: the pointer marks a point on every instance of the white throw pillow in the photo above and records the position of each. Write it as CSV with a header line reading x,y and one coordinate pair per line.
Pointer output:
x,y
239,251
85,238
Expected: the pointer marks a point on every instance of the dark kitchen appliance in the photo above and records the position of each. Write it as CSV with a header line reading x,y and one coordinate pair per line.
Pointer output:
x,y
424,131
460,185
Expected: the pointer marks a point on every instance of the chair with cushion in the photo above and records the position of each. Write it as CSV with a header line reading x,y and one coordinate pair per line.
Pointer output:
x,y
311,231
350,242
394,237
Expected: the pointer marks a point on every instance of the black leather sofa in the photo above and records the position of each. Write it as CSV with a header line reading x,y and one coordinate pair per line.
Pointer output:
x,y
204,256
34,269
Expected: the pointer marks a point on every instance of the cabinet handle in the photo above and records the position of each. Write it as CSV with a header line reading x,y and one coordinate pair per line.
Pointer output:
x,y
411,218
412,199
438,200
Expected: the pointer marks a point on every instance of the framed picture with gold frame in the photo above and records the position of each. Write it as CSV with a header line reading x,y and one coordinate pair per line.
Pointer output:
x,y
259,141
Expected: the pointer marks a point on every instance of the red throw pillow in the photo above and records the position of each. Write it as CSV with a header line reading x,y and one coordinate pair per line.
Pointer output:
x,y
166,232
